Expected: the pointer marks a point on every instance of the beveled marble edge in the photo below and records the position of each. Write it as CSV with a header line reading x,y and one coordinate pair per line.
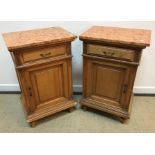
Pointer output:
x,y
86,36
132,44
11,46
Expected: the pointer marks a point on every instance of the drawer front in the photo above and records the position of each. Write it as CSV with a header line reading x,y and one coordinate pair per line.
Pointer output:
x,y
42,53
112,52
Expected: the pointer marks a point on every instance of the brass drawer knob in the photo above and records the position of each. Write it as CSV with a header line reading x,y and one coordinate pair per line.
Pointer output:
x,y
112,54
108,53
45,54
105,53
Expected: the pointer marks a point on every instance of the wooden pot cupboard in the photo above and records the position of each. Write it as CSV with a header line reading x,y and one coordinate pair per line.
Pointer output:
x,y
110,59
43,63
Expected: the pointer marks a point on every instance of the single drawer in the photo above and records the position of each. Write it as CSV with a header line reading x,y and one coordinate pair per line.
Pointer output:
x,y
42,53
112,52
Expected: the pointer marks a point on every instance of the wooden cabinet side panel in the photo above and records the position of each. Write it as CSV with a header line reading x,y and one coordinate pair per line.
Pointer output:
x,y
23,85
131,80
24,91
87,82
70,79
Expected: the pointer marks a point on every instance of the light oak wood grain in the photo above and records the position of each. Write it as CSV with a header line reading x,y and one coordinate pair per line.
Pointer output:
x,y
44,71
110,60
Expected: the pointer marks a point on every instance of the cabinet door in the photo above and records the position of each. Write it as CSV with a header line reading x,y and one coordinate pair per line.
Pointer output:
x,y
106,82
48,84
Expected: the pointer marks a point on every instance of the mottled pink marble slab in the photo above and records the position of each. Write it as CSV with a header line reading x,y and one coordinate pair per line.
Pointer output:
x,y
136,37
23,39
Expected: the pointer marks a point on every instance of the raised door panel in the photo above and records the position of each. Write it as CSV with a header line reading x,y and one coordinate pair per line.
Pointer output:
x,y
48,84
106,82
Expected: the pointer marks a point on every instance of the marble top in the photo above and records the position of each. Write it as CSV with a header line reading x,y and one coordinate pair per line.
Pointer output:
x,y
24,39
133,37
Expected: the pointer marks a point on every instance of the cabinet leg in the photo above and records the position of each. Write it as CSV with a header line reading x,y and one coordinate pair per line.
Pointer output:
x,y
70,109
84,108
123,120
32,124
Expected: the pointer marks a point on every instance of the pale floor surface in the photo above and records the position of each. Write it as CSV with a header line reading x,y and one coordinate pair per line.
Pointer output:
x,y
12,118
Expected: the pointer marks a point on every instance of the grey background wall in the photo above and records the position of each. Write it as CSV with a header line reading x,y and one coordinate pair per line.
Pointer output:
x,y
145,80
